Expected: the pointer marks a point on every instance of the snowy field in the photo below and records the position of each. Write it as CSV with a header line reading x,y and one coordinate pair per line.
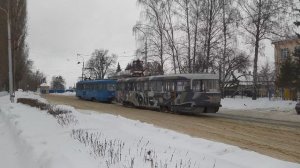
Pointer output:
x,y
247,103
31,138
65,94
261,108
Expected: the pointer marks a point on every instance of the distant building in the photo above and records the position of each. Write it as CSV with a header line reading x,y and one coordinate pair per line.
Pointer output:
x,y
283,49
44,88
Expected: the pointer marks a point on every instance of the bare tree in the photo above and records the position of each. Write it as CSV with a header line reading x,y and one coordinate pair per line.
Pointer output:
x,y
235,66
17,10
101,64
170,30
154,23
229,59
262,20
195,21
185,7
211,13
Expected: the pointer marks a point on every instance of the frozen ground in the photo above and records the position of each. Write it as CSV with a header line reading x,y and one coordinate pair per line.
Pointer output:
x,y
32,138
261,108
259,104
3,93
65,94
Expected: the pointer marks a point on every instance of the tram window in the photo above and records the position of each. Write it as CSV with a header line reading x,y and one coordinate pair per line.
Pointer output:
x,y
197,85
146,86
130,86
111,87
99,86
104,86
169,86
126,85
121,86
152,86
205,85
79,87
159,86
140,86
183,85
118,86
210,85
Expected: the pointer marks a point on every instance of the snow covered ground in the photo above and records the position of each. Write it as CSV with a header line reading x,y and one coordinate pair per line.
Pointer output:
x,y
3,93
261,108
261,103
31,138
65,94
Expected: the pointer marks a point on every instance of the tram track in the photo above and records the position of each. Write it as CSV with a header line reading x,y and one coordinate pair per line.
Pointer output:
x,y
275,138
255,119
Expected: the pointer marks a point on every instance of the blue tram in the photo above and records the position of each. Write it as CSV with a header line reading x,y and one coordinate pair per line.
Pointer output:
x,y
96,90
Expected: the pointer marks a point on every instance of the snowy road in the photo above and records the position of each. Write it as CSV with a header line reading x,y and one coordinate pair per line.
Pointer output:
x,y
279,141
275,122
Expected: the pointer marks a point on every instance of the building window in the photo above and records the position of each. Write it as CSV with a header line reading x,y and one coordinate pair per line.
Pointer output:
x,y
284,53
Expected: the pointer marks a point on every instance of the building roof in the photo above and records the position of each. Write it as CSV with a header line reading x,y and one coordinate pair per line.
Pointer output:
x,y
44,84
287,39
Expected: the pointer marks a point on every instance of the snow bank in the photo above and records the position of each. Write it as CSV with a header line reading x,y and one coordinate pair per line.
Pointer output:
x,y
65,94
32,138
260,103
29,94
3,93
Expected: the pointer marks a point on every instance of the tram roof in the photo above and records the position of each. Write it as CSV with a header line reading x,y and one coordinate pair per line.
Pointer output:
x,y
98,81
173,77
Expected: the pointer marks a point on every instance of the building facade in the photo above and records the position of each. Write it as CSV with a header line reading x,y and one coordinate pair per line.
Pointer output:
x,y
283,49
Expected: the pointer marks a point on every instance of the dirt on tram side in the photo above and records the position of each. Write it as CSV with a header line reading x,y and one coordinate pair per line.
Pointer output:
x,y
278,141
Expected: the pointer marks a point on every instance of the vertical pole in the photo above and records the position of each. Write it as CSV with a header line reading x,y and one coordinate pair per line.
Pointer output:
x,y
10,74
146,53
82,69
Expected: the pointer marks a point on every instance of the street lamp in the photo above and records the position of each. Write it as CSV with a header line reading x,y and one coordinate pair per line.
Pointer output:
x,y
82,64
137,28
10,74
83,68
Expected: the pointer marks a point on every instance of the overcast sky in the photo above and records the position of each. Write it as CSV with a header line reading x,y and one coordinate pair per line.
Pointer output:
x,y
59,29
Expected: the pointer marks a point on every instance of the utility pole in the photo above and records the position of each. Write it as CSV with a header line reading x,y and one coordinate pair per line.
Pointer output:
x,y
146,52
82,64
10,74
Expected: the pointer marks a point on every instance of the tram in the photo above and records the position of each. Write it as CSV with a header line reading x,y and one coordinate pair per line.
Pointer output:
x,y
96,90
187,93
